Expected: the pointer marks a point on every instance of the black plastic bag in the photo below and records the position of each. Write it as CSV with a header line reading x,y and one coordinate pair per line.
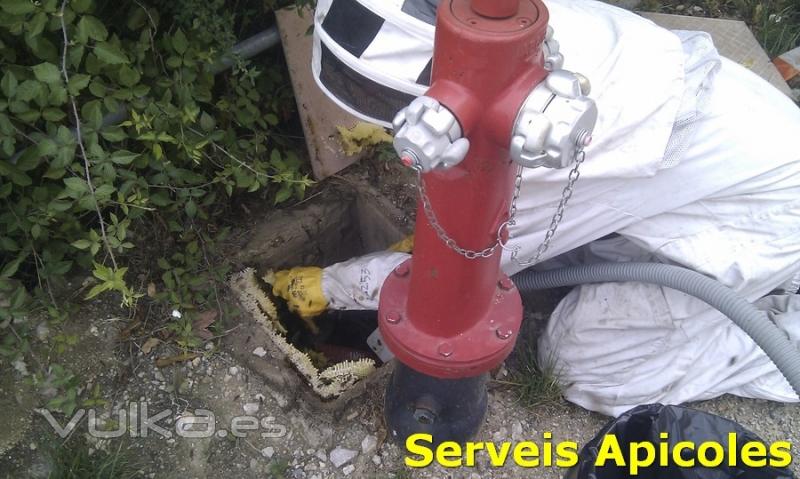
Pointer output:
x,y
647,423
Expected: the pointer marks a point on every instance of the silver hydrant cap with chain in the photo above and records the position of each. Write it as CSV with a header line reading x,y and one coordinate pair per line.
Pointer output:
x,y
427,135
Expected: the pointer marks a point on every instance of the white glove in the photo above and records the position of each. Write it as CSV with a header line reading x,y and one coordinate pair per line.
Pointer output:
x,y
356,284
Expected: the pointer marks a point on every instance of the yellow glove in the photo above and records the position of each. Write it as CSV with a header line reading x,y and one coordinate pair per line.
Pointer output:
x,y
405,245
302,289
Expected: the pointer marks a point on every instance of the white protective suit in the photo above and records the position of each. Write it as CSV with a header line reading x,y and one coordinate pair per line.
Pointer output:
x,y
695,162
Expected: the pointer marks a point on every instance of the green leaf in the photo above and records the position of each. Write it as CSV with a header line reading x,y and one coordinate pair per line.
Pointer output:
x,y
10,268
77,83
97,89
65,136
28,90
174,62
80,6
114,134
179,42
8,85
7,145
55,174
87,203
283,194
75,55
17,177
53,114
111,104
58,95
8,244
100,288
82,244
6,127
36,25
275,159
92,114
30,116
17,7
47,73
42,48
124,157
59,206
91,27
207,122
104,191
29,159
110,54
128,76
47,147
191,209
19,297
77,186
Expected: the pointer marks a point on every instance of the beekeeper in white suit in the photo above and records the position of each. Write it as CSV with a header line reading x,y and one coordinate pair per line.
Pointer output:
x,y
695,162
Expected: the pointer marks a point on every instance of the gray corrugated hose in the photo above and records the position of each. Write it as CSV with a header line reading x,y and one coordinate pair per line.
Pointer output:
x,y
774,342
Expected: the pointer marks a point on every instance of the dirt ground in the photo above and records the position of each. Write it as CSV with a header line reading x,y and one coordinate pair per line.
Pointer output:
x,y
299,443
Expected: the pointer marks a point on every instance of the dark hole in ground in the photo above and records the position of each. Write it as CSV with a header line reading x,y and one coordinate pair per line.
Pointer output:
x,y
342,335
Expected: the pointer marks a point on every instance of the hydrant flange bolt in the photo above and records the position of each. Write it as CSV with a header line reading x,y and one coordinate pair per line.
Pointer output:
x,y
504,333
445,349
402,270
394,318
505,284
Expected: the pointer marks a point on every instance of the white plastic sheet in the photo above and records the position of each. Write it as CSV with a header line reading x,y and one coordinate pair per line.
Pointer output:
x,y
695,163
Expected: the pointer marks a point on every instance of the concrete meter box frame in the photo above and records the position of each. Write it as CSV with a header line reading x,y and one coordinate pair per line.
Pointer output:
x,y
498,101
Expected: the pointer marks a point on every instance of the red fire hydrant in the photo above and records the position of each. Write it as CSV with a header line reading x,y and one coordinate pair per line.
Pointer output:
x,y
449,314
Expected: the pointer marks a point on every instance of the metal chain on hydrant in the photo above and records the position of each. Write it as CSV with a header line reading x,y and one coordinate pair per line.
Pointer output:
x,y
442,233
566,195
487,252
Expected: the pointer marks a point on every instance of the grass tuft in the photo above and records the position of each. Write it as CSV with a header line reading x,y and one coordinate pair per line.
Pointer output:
x,y
537,383
278,469
75,462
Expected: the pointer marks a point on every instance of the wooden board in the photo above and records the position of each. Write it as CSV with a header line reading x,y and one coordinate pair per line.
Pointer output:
x,y
320,115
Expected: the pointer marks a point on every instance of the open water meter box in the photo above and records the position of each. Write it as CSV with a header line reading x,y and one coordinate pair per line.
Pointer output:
x,y
322,364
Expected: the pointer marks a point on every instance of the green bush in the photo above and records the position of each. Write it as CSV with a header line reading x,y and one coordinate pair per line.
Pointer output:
x,y
123,136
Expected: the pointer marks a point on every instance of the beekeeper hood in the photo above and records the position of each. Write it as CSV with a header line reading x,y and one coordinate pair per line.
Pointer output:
x,y
373,57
